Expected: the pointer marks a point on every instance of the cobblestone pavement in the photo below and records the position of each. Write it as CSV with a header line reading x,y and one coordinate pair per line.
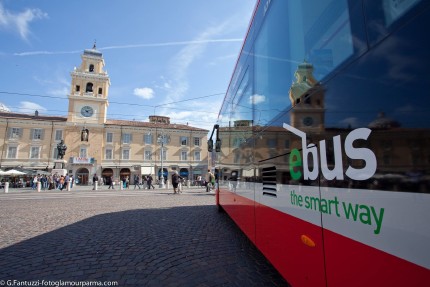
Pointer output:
x,y
132,238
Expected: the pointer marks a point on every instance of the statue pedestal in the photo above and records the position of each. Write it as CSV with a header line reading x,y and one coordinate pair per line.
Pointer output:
x,y
59,169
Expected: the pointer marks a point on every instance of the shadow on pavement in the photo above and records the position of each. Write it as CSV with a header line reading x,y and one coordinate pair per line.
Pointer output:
x,y
180,246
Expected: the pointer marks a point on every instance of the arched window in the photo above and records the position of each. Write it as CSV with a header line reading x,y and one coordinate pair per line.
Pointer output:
x,y
91,68
89,87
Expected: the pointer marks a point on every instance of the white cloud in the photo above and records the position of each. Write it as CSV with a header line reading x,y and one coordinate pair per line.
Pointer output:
x,y
257,99
29,107
19,22
61,92
144,93
181,62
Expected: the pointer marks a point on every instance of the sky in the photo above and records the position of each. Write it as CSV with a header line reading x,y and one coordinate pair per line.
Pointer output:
x,y
163,57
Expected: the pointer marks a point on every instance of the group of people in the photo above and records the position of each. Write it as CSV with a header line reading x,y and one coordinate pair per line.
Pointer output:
x,y
139,182
125,181
209,182
54,181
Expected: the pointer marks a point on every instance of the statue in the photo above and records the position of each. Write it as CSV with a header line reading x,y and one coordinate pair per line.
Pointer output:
x,y
84,135
61,147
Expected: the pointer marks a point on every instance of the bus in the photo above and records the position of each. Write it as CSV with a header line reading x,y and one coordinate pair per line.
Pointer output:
x,y
323,141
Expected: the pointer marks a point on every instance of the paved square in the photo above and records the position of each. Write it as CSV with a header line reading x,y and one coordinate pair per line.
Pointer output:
x,y
134,238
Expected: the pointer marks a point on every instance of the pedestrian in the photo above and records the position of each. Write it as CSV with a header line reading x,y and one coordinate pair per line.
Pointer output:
x,y
210,180
136,181
149,180
44,181
61,183
67,180
34,183
175,181
95,180
111,183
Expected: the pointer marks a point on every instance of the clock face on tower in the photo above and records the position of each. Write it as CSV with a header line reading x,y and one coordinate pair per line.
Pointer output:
x,y
308,121
87,111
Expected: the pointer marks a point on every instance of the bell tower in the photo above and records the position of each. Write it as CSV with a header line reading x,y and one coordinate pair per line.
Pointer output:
x,y
307,98
88,99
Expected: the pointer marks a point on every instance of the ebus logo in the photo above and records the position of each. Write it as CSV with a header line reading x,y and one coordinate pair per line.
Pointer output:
x,y
337,172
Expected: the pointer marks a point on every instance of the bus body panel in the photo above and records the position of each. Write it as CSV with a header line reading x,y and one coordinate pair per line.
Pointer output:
x,y
329,103
241,210
351,263
279,237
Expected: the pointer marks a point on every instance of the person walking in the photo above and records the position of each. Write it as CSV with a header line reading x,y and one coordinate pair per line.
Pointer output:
x,y
95,180
149,180
72,181
210,180
175,181
136,181
111,183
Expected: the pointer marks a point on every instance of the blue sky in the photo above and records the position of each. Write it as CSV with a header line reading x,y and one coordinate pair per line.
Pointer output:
x,y
157,52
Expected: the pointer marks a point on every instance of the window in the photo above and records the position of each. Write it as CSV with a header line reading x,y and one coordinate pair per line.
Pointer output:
x,y
34,152
147,138
58,135
89,88
183,140
236,158
183,155
37,134
91,68
100,91
287,144
15,133
11,152
126,138
197,156
108,153
55,155
125,154
78,88
83,152
271,143
148,155
197,141
393,10
237,142
109,137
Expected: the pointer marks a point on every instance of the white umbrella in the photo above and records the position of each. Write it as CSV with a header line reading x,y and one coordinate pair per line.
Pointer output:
x,y
13,172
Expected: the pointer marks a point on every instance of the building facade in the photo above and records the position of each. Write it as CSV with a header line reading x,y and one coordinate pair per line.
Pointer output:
x,y
96,144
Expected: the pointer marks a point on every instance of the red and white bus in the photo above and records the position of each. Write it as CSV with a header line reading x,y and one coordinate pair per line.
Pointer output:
x,y
324,160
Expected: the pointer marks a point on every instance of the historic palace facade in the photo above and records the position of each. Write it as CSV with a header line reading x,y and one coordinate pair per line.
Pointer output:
x,y
96,144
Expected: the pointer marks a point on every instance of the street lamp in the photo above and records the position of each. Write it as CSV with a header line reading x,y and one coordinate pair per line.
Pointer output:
x,y
162,139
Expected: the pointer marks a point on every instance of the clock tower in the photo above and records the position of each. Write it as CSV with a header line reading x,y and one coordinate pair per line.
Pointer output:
x,y
89,89
307,98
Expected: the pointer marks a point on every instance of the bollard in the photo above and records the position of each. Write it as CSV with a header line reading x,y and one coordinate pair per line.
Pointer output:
x,y
6,187
68,185
96,185
167,184
188,183
39,185
121,185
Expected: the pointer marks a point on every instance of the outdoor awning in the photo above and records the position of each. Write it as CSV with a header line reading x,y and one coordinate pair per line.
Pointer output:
x,y
146,170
